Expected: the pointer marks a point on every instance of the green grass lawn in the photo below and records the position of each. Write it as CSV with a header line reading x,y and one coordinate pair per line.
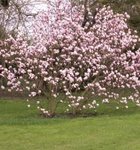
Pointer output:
x,y
23,129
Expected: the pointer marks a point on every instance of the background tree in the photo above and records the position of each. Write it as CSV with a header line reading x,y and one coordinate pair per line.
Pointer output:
x,y
18,16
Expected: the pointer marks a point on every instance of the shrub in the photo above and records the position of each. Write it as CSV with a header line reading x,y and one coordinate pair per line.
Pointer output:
x,y
72,51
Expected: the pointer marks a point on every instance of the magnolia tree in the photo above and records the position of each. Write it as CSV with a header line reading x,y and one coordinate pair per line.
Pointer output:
x,y
79,57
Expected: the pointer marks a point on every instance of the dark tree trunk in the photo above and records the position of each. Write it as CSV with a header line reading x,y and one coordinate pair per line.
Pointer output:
x,y
5,3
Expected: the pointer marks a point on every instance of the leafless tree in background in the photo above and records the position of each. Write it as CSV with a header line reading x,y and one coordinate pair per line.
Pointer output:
x,y
16,16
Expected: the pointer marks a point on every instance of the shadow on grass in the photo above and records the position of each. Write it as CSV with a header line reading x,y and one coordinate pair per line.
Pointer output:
x,y
15,112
